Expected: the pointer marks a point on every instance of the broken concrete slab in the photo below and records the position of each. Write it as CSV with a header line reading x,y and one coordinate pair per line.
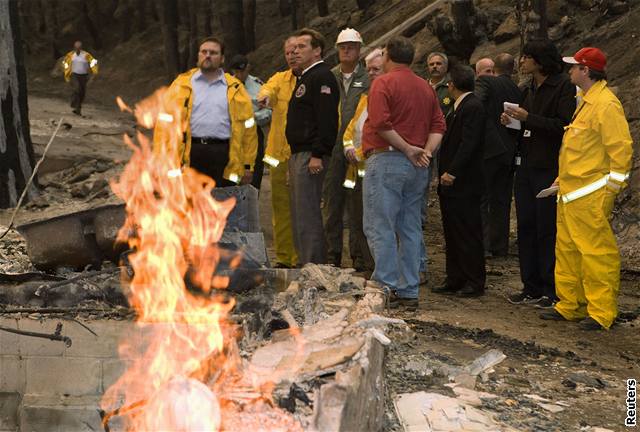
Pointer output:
x,y
426,412
9,404
355,401
551,408
245,215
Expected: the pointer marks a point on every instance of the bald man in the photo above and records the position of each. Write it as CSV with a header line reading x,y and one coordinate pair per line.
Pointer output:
x,y
484,67
499,155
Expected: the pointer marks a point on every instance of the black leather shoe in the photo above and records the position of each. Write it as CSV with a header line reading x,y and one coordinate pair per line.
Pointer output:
x,y
470,292
445,289
589,324
409,304
552,315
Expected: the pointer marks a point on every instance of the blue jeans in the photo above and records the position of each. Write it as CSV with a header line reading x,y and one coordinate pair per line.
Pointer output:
x,y
392,198
425,209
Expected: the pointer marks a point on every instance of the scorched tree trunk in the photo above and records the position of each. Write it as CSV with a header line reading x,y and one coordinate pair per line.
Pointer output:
x,y
16,151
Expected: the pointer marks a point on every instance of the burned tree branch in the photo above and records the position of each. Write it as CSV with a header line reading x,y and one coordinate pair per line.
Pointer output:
x,y
33,175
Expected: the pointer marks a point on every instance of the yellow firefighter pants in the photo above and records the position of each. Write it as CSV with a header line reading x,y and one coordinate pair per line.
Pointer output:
x,y
281,216
587,270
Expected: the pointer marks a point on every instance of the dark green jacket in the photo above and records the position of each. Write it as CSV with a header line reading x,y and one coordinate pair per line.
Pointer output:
x,y
349,98
446,101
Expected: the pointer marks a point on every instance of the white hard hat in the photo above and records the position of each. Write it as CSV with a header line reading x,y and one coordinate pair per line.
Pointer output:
x,y
349,35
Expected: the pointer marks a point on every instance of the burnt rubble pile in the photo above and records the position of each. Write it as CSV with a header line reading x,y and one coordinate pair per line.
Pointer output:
x,y
321,343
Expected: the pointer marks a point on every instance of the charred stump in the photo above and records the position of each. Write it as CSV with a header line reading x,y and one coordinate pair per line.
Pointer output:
x,y
170,35
460,31
231,20
16,149
249,8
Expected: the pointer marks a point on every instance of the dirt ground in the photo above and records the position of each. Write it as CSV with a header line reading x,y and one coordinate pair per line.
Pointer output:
x,y
584,371
541,355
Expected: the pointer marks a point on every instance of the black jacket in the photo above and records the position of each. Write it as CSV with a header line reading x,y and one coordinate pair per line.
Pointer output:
x,y
462,150
493,92
550,109
312,119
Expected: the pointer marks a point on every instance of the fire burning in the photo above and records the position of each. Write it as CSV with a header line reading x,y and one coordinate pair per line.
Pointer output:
x,y
185,372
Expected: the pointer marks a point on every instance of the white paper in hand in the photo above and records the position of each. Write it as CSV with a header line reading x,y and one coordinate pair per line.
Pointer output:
x,y
513,123
550,191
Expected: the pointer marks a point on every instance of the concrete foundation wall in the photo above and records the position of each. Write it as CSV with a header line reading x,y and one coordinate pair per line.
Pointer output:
x,y
47,387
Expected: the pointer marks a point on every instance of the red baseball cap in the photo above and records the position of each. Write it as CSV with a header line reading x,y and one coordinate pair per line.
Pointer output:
x,y
591,57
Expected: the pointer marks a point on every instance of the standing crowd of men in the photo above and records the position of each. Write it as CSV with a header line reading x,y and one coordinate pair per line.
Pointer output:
x,y
366,138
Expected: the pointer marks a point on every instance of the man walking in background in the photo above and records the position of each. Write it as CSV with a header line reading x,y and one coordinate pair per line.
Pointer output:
x,y
499,154
220,138
240,69
352,79
276,93
595,162
404,127
460,169
77,65
312,128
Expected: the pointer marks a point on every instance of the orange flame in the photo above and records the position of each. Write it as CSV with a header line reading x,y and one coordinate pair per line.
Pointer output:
x,y
185,358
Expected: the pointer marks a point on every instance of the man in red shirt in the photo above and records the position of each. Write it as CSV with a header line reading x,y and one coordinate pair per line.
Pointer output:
x,y
405,126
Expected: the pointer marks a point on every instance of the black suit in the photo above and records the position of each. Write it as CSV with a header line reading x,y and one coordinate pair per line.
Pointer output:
x,y
461,156
500,148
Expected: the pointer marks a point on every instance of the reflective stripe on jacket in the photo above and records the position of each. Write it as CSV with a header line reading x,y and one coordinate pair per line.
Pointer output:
x,y
66,64
278,89
352,138
596,147
243,144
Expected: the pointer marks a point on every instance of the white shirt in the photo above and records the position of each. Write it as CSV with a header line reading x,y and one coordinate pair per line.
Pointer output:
x,y
457,102
346,80
304,71
79,63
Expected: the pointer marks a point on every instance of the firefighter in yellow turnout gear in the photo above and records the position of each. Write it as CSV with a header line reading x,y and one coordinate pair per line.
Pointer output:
x,y
594,164
352,143
227,158
276,93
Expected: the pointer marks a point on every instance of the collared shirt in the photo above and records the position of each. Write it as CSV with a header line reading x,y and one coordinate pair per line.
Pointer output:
x,y
305,71
459,100
79,64
210,112
402,101
347,78
439,83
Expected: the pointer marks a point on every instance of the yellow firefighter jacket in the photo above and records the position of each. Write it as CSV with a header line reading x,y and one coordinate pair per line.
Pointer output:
x,y
66,64
278,89
597,147
243,144
352,138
